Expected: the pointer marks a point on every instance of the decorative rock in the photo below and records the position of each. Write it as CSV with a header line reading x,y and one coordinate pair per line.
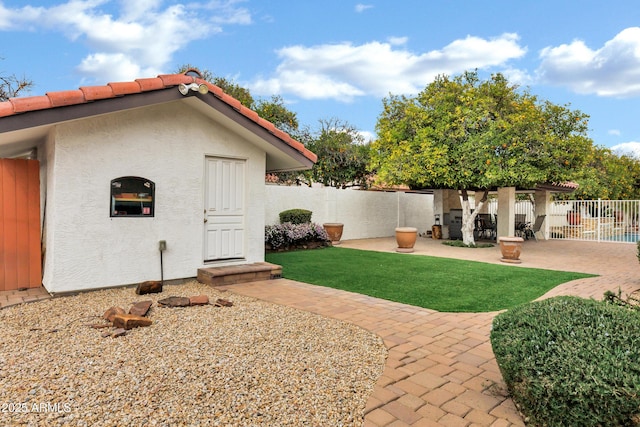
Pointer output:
x,y
140,308
149,287
175,302
223,303
199,300
109,314
118,333
100,325
130,321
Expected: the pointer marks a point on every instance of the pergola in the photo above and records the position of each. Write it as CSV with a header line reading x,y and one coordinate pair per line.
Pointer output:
x,y
446,199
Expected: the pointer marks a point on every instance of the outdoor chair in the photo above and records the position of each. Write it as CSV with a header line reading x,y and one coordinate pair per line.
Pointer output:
x,y
520,225
528,231
537,226
484,226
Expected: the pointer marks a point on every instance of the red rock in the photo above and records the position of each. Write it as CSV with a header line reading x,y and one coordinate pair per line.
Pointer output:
x,y
175,302
119,332
130,321
100,325
199,300
140,308
109,314
223,303
149,287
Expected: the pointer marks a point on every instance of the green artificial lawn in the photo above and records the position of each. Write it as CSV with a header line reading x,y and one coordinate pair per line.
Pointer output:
x,y
440,284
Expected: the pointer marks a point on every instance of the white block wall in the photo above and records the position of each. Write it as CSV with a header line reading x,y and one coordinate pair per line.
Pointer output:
x,y
365,214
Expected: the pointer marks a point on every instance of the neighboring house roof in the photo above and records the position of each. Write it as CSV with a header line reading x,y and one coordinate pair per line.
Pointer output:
x,y
29,118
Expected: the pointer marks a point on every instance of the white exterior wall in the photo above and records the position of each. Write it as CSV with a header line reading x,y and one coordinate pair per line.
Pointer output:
x,y
167,144
365,214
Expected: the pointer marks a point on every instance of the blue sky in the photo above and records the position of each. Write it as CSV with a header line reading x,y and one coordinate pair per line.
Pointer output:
x,y
339,59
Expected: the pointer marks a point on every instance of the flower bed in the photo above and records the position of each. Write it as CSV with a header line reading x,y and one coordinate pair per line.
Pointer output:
x,y
288,236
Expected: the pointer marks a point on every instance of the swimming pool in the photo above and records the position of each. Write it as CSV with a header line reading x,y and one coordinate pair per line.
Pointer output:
x,y
626,237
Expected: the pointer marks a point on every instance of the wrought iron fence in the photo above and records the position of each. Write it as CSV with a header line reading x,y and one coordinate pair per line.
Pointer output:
x,y
590,220
595,220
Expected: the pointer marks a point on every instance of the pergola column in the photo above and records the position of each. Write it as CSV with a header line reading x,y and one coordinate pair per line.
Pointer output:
x,y
506,211
542,200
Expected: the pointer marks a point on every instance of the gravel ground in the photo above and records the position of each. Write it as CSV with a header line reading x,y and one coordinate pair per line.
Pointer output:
x,y
253,364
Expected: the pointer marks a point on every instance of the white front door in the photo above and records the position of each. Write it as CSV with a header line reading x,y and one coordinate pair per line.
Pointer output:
x,y
224,234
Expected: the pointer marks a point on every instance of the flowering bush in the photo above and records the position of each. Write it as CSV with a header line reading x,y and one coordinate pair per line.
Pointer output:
x,y
287,234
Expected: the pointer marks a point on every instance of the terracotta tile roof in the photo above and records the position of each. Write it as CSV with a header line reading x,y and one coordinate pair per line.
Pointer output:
x,y
87,94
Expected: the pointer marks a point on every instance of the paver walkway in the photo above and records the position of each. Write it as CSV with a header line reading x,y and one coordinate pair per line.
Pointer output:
x,y
441,370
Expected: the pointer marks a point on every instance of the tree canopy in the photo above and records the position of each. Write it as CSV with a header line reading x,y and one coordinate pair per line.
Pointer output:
x,y
467,134
463,133
343,155
608,175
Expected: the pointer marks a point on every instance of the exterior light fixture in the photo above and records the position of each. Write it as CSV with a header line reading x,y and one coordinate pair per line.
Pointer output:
x,y
200,88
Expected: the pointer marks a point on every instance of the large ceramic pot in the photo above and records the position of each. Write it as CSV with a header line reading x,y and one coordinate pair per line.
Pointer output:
x,y
334,231
406,239
511,248
436,232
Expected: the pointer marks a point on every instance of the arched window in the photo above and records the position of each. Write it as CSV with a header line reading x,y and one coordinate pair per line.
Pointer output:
x,y
132,196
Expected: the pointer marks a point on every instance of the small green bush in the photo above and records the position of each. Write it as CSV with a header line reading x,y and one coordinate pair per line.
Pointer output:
x,y
569,361
295,216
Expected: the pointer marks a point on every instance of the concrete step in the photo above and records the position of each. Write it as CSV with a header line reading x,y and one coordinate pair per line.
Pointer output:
x,y
219,276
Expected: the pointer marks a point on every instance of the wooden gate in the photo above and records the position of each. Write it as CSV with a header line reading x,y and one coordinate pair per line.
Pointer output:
x,y
20,255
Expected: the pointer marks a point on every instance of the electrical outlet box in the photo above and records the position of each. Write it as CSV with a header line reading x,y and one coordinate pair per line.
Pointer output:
x,y
163,245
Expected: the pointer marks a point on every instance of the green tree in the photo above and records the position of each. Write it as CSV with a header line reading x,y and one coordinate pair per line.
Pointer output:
x,y
12,86
608,175
343,155
471,135
277,113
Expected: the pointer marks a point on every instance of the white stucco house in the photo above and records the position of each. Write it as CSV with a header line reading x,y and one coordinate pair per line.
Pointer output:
x,y
102,175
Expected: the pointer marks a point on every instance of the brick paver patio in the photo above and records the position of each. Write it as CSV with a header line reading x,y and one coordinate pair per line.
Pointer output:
x,y
441,370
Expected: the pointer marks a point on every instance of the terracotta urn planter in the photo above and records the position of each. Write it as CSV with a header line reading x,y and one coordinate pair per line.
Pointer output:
x,y
436,232
406,239
511,248
334,231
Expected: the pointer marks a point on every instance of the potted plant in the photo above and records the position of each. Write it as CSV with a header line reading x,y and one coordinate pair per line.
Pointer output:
x,y
510,247
334,231
406,239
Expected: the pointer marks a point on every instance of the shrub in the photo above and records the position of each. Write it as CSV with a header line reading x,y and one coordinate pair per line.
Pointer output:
x,y
290,235
295,216
569,361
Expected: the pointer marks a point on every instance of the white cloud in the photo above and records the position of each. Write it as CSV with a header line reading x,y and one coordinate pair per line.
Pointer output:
x,y
612,70
398,41
614,132
367,136
138,40
627,148
362,7
343,71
